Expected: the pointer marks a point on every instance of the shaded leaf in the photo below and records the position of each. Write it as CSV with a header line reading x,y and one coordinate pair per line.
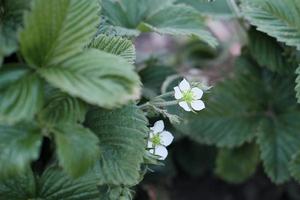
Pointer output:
x,y
61,108
122,134
77,148
163,17
237,165
11,14
179,20
19,145
279,140
267,52
21,95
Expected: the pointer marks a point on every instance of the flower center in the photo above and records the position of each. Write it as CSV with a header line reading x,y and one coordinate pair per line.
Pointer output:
x,y
156,140
188,96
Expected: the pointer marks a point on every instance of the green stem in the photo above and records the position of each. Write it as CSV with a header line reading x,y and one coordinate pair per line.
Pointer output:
x,y
165,95
167,103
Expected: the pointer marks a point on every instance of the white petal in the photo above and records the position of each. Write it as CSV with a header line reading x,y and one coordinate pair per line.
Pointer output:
x,y
161,151
198,105
184,85
166,138
185,106
197,93
150,144
158,126
178,94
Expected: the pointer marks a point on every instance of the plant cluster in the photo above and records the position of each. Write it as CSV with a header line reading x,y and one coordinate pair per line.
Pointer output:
x,y
74,109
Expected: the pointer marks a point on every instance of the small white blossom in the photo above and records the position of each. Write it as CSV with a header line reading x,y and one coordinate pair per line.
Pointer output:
x,y
159,139
189,98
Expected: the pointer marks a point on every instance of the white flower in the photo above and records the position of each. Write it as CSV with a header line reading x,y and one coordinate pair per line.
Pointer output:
x,y
189,98
159,139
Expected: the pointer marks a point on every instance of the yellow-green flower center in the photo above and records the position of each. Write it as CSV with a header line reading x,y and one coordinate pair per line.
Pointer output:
x,y
156,140
188,96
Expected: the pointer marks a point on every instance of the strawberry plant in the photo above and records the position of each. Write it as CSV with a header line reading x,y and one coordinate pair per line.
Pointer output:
x,y
82,116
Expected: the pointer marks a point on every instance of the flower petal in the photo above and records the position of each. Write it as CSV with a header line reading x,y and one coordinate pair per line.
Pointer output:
x,y
158,126
166,138
161,151
178,94
197,93
198,105
184,85
185,106
149,144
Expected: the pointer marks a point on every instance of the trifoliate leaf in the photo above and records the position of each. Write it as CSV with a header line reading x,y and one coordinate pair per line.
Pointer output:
x,y
56,30
231,115
19,145
115,45
163,17
77,148
237,165
277,18
21,94
122,134
96,77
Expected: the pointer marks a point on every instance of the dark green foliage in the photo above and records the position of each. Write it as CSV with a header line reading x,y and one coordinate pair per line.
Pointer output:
x,y
53,184
18,147
238,164
122,138
11,18
163,17
153,77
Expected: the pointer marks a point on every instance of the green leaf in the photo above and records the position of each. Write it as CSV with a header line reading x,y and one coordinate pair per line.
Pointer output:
x,y
21,95
231,115
53,184
18,188
163,17
122,134
267,52
277,18
11,14
239,164
19,145
61,108
129,13
179,20
56,30
77,148
297,88
294,167
219,9
279,140
115,193
115,45
96,77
